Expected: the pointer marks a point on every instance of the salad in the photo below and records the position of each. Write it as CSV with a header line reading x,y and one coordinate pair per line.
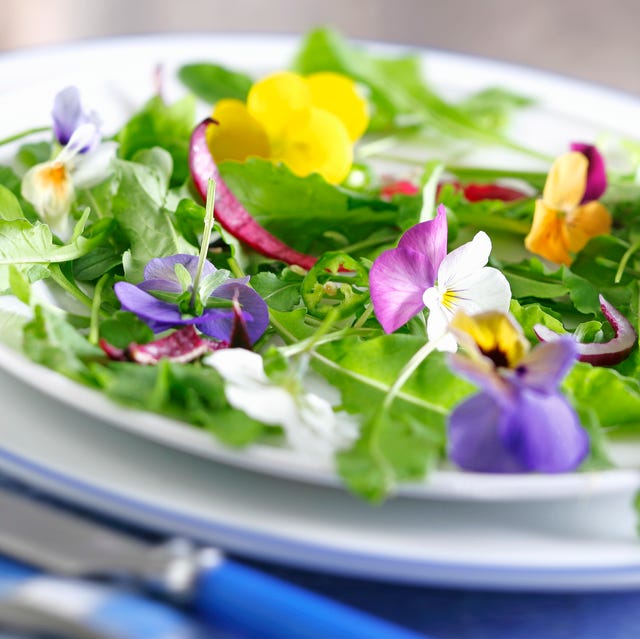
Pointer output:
x,y
319,265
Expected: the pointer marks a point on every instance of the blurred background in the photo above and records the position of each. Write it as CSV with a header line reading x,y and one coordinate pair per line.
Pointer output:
x,y
591,40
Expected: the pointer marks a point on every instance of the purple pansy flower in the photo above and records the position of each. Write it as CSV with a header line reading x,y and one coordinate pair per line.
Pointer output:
x,y
418,273
160,275
68,116
596,172
519,422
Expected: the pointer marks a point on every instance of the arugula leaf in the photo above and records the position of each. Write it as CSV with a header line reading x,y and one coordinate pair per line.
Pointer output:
x,y
491,108
399,94
162,125
212,82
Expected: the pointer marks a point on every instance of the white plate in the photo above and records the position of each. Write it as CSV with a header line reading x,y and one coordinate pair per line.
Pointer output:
x,y
475,530
588,543
117,76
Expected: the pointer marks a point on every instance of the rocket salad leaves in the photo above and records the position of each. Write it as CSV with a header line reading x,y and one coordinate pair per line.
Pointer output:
x,y
385,400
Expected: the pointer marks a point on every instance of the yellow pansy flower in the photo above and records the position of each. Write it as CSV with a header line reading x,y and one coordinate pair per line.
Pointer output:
x,y
568,215
309,123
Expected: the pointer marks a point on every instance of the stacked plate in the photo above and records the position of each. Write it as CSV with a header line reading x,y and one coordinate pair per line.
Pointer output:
x,y
564,532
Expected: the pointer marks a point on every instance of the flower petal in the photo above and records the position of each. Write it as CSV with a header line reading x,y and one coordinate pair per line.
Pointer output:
x,y
438,323
339,95
566,182
67,114
238,366
158,315
546,365
397,281
596,173
473,436
49,188
238,135
587,221
429,238
276,99
548,236
95,166
315,142
163,268
463,261
543,432
219,322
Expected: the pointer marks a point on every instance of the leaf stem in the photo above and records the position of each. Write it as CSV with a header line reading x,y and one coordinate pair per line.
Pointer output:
x,y
409,368
94,327
625,260
209,217
70,287
24,134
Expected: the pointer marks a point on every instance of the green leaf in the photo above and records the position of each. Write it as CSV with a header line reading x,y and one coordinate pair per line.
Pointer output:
x,y
193,394
34,153
162,125
10,208
605,393
51,341
124,329
281,293
491,108
531,279
354,367
394,447
24,243
300,211
138,208
529,315
212,82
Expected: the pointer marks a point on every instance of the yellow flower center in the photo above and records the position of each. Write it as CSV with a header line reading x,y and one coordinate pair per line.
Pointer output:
x,y
494,335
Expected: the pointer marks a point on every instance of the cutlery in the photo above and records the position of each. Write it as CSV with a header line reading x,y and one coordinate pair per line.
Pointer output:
x,y
222,592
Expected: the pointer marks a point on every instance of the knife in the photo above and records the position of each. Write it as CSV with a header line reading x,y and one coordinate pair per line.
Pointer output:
x,y
223,593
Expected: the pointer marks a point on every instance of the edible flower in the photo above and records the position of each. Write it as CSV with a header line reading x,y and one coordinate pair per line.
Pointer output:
x,y
69,115
166,299
418,273
568,215
81,163
310,424
309,123
519,422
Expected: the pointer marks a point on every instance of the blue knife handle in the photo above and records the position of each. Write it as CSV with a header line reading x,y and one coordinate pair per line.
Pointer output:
x,y
239,599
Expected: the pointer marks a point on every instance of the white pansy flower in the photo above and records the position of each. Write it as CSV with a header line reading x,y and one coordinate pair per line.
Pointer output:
x,y
310,424
464,282
51,186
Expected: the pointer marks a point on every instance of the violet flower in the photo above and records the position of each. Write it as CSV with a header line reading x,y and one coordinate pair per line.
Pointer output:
x,y
418,273
163,276
519,422
68,116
